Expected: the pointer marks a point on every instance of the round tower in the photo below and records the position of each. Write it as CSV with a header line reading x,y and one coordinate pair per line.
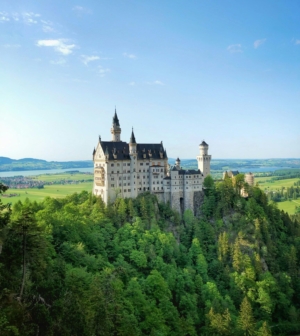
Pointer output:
x,y
116,129
249,178
204,159
177,163
203,148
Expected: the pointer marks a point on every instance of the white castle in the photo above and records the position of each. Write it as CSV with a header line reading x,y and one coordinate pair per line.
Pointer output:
x,y
124,169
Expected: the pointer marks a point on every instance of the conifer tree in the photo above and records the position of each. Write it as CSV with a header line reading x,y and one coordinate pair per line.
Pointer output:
x,y
246,322
264,330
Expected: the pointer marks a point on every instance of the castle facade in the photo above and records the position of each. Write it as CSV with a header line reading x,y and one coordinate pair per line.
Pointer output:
x,y
124,170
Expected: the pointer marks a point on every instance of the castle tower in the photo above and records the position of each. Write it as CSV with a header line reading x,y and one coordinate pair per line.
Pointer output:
x,y
132,144
204,159
177,163
116,129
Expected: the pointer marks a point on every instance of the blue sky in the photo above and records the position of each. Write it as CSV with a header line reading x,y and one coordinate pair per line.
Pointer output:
x,y
177,71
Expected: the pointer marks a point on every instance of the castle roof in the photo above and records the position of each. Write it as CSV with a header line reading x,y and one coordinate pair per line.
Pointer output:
x,y
115,119
120,149
132,138
186,171
235,172
203,143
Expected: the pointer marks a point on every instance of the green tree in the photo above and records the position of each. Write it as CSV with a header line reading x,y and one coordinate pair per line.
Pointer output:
x,y
246,322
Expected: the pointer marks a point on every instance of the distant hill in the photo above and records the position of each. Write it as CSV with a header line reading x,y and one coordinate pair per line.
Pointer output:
x,y
7,164
217,165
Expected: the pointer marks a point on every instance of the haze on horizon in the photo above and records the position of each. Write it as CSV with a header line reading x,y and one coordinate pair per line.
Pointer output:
x,y
223,71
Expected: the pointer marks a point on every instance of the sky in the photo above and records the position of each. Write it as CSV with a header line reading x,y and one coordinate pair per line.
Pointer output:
x,y
227,72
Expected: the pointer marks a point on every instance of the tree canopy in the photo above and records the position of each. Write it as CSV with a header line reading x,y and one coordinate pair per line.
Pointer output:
x,y
75,266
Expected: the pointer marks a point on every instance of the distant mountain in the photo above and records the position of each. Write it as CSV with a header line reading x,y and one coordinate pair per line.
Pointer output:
x,y
8,164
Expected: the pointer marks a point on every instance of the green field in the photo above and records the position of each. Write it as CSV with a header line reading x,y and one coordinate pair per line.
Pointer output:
x,y
274,185
289,206
55,191
64,176
266,184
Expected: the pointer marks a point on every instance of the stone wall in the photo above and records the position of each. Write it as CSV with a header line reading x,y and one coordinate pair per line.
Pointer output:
x,y
198,201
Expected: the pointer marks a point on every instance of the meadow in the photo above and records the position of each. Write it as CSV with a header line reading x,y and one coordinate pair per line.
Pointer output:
x,y
82,182
265,183
55,191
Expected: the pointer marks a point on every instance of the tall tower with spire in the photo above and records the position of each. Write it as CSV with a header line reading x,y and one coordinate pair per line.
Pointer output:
x,y
204,159
132,144
116,129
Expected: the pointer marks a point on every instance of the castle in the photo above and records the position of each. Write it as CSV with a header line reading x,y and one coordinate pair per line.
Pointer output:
x,y
124,169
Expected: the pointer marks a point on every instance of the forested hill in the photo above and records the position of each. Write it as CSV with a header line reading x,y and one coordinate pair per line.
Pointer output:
x,y
76,267
7,164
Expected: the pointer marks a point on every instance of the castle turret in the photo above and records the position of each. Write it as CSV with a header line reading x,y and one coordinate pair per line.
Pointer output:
x,y
204,159
116,129
132,144
177,163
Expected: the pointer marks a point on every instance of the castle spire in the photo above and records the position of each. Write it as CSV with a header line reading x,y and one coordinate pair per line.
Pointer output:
x,y
116,129
116,119
132,138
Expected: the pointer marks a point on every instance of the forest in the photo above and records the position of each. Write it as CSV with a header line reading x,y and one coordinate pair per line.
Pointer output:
x,y
74,266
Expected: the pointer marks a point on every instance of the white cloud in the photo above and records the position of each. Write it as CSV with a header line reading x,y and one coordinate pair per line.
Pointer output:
x,y
60,61
59,45
86,59
4,17
11,46
132,56
25,17
132,83
235,48
258,43
30,18
297,42
103,71
81,10
156,82
48,29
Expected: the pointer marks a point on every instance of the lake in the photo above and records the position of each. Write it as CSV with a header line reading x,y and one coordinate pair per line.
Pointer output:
x,y
91,170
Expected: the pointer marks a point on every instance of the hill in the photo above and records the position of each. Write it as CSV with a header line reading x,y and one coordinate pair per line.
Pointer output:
x,y
136,267
7,164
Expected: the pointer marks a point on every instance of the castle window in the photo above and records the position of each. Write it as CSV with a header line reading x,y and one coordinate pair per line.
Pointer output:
x,y
129,189
154,188
187,188
141,164
161,170
112,164
112,178
118,164
147,163
112,185
125,190
128,164
112,171
128,171
117,172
